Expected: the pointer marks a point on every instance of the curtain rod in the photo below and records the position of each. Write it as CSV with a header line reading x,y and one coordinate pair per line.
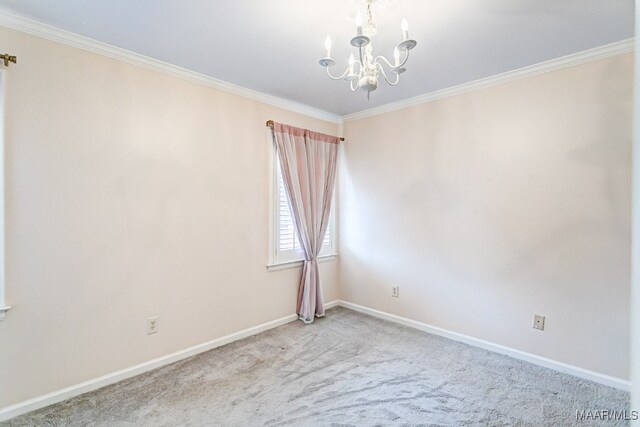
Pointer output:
x,y
8,58
270,124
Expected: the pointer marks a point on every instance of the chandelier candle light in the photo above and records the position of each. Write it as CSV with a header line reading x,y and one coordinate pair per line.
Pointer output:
x,y
363,73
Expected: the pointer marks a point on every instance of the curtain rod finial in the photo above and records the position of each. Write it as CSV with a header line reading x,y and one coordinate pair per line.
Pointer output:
x,y
8,58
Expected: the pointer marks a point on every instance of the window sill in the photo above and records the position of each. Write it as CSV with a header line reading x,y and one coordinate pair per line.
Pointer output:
x,y
295,264
3,310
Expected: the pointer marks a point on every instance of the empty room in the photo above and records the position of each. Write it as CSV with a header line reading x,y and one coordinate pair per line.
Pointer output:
x,y
319,213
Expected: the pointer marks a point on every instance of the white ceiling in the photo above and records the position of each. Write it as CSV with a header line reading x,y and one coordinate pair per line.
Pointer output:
x,y
273,46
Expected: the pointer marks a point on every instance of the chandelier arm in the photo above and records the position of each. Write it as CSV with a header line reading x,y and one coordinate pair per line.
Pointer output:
x,y
352,87
384,59
338,78
385,75
406,58
360,67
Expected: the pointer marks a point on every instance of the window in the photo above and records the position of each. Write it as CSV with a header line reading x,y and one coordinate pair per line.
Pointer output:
x,y
285,246
3,306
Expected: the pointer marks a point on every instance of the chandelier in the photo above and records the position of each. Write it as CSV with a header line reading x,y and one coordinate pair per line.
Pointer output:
x,y
363,73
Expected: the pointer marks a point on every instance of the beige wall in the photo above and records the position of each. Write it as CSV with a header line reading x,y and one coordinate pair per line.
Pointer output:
x,y
129,194
490,206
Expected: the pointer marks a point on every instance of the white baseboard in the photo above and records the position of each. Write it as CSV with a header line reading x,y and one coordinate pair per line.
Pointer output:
x,y
331,304
96,383
105,380
496,348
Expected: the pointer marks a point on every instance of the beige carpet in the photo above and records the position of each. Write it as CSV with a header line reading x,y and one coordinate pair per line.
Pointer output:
x,y
345,369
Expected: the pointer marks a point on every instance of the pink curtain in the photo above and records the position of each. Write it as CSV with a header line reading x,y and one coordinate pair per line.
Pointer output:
x,y
308,161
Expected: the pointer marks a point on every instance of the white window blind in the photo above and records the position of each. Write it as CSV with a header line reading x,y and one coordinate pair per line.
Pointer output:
x,y
288,238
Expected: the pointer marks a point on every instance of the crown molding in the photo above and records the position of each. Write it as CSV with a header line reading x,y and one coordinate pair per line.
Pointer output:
x,y
11,20
571,60
20,23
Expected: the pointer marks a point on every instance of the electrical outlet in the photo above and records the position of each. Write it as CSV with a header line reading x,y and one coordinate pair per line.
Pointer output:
x,y
395,291
152,325
538,322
